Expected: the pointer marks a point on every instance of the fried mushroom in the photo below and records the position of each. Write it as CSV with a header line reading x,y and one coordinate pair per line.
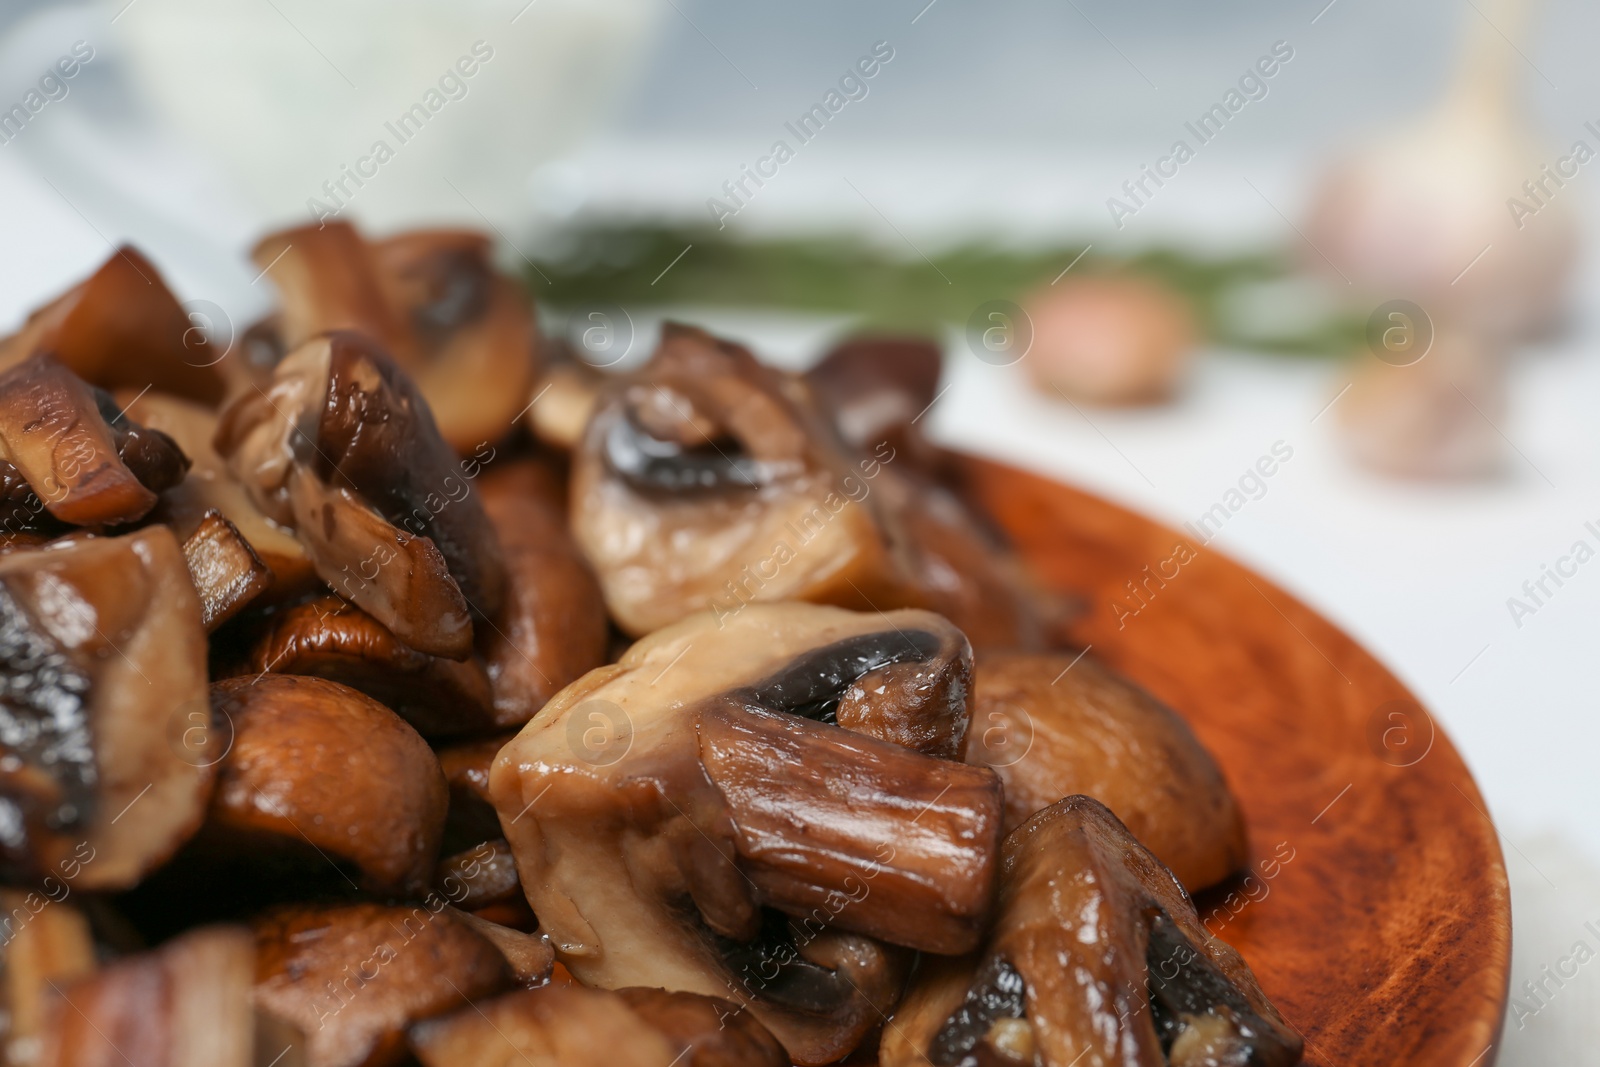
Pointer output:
x,y
578,1027
320,774
343,449
1054,725
352,977
82,459
101,652
227,572
694,816
1096,956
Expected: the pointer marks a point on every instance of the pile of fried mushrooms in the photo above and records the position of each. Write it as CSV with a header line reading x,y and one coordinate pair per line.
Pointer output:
x,y
390,686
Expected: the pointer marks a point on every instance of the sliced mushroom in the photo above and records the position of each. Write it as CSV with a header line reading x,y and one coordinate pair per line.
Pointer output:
x,y
466,767
474,329
47,945
706,480
343,449
227,572
123,327
482,875
877,388
186,1004
330,638
101,657
530,956
83,460
553,628
1096,956
320,774
564,397
352,977
210,486
1054,725
657,806
432,299
579,1027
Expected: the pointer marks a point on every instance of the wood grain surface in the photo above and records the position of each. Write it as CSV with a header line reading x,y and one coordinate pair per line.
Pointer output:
x,y
1385,937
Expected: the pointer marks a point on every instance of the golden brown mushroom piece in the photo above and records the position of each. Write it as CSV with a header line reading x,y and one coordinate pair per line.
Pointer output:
x,y
47,944
123,327
327,637
342,448
1096,958
320,774
707,481
227,572
694,817
432,298
82,459
352,977
101,658
1054,725
553,628
210,486
579,1027
185,1004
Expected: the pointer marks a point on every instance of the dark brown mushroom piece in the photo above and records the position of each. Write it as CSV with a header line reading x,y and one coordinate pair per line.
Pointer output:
x,y
227,572
102,660
463,331
474,331
706,481
123,327
528,953
327,637
321,776
876,389
1096,955
342,448
553,628
466,765
1054,725
83,460
579,1027
352,977
210,486
694,817
185,1004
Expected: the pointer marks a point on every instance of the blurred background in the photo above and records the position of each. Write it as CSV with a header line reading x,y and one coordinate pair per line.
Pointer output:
x,y
1373,249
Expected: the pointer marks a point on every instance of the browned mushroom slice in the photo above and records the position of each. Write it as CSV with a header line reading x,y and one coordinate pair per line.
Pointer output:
x,y
664,810
342,448
877,388
466,768
326,278
227,572
354,976
553,628
473,327
210,486
1055,724
84,461
101,652
123,327
564,397
319,773
580,1027
186,1004
1096,956
330,638
529,956
481,875
706,480
47,945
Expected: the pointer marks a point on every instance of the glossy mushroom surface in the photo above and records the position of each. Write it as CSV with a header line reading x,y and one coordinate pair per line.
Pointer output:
x,y
1095,956
352,977
83,460
320,774
342,448
227,572
580,1027
695,817
102,655
1056,724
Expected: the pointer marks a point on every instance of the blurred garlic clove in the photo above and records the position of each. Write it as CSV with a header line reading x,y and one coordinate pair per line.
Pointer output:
x,y
1432,419
1411,213
1116,339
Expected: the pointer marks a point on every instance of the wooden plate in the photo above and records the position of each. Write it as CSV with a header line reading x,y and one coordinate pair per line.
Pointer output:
x,y
1385,935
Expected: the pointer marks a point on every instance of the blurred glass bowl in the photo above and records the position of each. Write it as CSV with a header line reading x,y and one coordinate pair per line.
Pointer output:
x,y
293,96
